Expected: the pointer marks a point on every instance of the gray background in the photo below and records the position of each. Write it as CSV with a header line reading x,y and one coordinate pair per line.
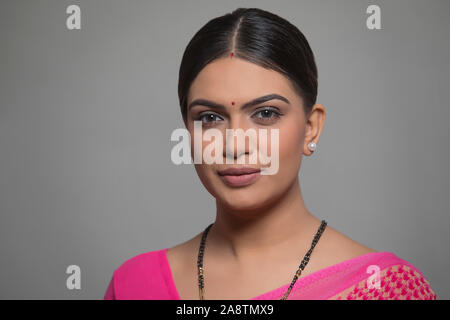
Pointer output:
x,y
86,117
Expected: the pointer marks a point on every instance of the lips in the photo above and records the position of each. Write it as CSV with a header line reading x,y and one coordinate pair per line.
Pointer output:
x,y
238,177
238,171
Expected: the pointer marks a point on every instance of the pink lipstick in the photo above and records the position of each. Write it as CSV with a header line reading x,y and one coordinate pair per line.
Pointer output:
x,y
239,177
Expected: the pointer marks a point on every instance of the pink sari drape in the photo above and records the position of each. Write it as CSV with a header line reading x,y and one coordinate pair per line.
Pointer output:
x,y
377,275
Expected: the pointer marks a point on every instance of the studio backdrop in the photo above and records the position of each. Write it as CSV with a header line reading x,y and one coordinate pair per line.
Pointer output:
x,y
88,103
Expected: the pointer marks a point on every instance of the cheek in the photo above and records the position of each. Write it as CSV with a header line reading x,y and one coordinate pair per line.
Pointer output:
x,y
290,148
290,141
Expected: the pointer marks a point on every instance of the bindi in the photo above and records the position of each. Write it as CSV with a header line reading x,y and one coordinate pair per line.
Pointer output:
x,y
231,55
232,103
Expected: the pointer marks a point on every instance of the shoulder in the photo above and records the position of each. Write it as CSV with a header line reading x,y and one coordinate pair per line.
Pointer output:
x,y
140,262
380,274
141,277
180,256
389,278
334,247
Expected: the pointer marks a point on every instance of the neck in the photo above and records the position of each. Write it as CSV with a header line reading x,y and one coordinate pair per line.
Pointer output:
x,y
283,223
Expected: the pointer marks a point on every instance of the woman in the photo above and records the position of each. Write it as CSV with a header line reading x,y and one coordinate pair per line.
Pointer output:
x,y
251,69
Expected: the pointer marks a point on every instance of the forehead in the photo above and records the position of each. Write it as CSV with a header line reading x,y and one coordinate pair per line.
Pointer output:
x,y
226,80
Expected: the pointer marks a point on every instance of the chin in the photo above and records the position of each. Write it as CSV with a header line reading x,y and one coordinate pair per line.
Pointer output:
x,y
241,199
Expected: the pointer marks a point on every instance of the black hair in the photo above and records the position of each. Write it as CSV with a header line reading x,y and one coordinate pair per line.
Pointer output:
x,y
257,36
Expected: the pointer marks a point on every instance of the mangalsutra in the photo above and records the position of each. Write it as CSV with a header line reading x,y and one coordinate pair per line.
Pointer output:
x,y
302,265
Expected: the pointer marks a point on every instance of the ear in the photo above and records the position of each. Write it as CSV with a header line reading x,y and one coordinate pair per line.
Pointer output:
x,y
314,126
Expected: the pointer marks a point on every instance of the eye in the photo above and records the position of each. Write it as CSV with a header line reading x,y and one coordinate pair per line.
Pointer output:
x,y
208,118
268,114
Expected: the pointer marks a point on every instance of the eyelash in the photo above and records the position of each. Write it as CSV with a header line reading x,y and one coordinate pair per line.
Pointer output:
x,y
273,111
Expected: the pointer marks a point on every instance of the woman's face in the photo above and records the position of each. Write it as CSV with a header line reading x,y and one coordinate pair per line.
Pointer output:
x,y
232,82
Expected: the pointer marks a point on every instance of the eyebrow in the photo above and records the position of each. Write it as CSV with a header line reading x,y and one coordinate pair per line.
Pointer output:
x,y
208,103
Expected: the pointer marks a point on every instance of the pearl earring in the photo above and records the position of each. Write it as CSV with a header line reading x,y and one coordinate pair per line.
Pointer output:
x,y
312,146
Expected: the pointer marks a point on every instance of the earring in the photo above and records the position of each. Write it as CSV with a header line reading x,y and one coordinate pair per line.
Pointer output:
x,y
312,146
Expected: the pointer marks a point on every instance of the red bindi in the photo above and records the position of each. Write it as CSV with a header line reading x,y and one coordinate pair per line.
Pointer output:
x,y
232,102
231,55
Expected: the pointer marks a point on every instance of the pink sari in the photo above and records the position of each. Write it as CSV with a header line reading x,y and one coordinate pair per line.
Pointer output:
x,y
372,276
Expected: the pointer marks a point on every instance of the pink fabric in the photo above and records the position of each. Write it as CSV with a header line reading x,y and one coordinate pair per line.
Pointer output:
x,y
148,276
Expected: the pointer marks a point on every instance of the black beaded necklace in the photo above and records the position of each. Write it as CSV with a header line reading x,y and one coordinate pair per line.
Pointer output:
x,y
297,273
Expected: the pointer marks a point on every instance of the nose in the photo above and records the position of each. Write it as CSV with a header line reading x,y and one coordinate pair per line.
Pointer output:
x,y
239,139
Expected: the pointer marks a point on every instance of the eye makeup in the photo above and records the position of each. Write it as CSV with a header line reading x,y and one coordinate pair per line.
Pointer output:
x,y
265,115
